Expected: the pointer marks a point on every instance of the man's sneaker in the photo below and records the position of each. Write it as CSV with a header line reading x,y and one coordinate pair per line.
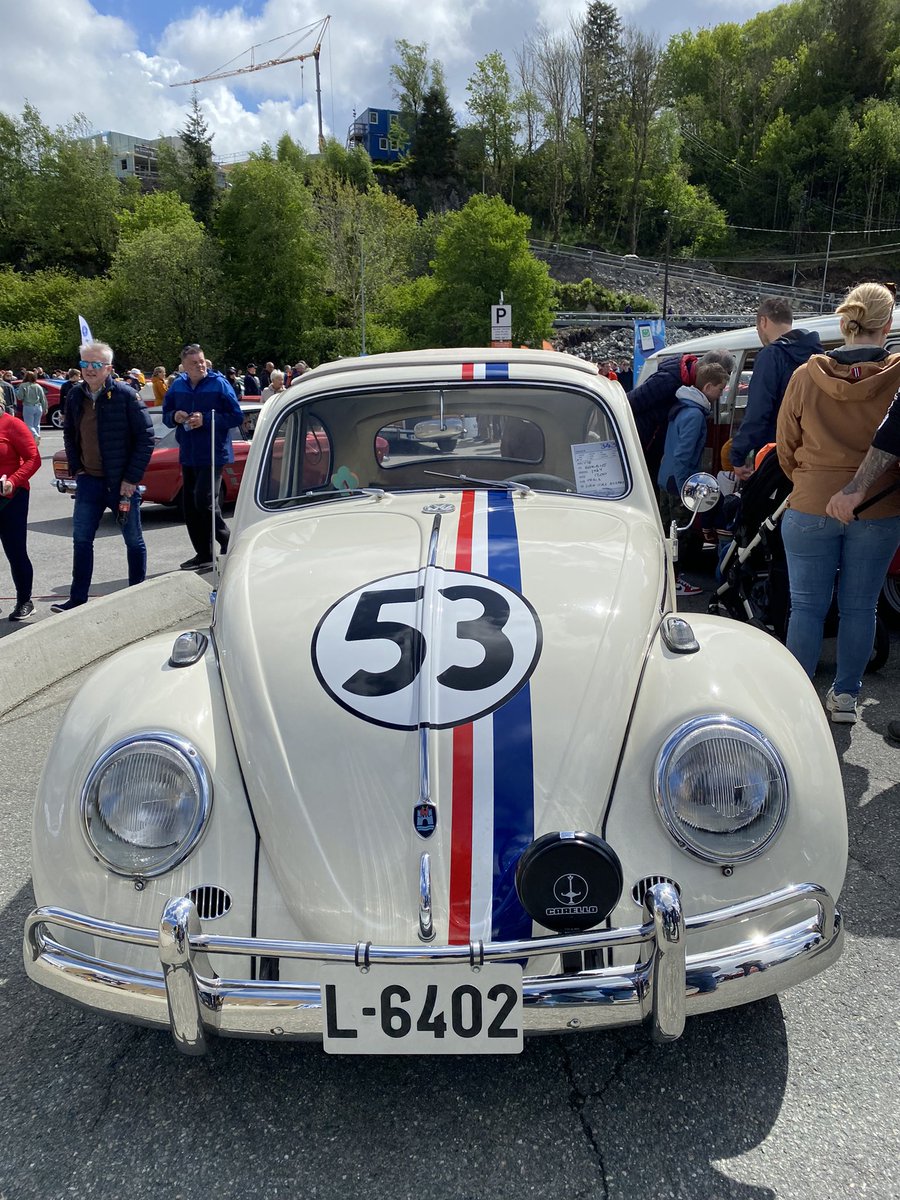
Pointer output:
x,y
843,707
22,611
66,605
683,588
197,563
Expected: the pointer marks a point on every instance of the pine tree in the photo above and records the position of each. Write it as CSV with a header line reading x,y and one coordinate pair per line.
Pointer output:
x,y
201,172
434,165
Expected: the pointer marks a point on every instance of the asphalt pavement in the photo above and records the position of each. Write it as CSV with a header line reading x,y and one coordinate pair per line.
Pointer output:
x,y
795,1097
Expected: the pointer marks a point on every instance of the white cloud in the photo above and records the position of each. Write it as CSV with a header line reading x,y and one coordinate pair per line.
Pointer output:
x,y
67,56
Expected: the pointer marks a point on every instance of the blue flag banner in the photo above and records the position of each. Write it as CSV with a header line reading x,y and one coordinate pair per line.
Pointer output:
x,y
85,331
649,336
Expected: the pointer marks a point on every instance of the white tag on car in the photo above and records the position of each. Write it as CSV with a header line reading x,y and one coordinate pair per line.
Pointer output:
x,y
400,1009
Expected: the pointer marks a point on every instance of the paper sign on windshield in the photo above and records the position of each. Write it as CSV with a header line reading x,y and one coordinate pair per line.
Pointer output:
x,y
598,469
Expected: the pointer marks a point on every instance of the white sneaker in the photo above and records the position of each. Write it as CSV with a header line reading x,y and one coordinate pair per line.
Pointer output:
x,y
683,588
843,707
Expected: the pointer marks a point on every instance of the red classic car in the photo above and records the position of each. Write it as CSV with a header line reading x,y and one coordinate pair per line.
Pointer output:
x,y
162,479
54,414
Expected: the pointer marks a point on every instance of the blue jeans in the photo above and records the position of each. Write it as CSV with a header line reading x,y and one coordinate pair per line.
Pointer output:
x,y
92,498
817,548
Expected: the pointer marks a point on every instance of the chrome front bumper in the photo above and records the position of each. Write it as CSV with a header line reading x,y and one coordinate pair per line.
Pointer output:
x,y
662,988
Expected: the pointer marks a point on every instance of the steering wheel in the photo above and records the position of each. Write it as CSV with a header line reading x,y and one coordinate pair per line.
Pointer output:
x,y
548,483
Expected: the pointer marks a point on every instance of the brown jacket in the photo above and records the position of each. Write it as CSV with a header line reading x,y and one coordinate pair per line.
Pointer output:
x,y
826,423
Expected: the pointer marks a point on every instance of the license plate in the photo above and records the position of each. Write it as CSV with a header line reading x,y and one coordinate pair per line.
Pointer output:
x,y
422,1009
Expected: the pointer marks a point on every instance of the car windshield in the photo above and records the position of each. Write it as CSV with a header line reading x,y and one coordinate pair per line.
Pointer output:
x,y
545,437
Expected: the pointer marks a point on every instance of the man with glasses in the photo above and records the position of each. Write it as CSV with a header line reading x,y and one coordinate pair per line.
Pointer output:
x,y
108,437
201,406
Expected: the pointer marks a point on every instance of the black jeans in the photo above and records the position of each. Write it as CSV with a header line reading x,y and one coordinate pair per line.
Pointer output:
x,y
13,535
200,504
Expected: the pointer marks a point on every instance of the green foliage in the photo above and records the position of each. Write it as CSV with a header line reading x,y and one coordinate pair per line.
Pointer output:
x,y
491,104
482,252
352,166
434,167
590,295
39,316
164,289
154,210
188,169
270,259
292,155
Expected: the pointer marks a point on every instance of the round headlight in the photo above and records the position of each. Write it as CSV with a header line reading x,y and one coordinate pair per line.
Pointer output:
x,y
721,789
145,803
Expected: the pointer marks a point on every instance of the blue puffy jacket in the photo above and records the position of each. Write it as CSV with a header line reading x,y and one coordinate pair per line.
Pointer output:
x,y
212,394
124,432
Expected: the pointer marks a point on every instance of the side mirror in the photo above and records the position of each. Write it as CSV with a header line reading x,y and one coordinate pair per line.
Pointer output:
x,y
700,493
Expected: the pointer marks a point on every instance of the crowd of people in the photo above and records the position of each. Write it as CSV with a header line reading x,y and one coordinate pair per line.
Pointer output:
x,y
833,420
108,438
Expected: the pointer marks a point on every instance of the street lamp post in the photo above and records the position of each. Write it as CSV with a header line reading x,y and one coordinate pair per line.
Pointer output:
x,y
825,271
665,303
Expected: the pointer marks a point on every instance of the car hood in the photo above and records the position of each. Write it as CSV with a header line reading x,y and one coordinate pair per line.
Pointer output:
x,y
450,678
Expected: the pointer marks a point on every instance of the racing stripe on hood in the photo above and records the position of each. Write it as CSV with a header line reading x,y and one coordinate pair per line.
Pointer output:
x,y
493,769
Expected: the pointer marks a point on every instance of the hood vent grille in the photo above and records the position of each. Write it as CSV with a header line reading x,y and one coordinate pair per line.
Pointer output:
x,y
211,902
643,886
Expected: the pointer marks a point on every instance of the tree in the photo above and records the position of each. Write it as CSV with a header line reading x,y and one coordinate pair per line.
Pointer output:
x,y
410,79
75,203
189,169
292,155
24,143
270,259
492,104
154,210
482,252
434,166
165,289
366,240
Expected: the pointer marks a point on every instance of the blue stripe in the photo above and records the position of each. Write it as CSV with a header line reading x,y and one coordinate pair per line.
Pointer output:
x,y
513,747
495,370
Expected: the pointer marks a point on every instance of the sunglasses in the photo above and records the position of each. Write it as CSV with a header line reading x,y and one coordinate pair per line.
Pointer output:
x,y
95,365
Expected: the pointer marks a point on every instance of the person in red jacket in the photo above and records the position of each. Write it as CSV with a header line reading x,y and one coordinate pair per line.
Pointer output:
x,y
19,459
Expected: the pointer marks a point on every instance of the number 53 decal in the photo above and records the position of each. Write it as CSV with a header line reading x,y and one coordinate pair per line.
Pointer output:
x,y
430,647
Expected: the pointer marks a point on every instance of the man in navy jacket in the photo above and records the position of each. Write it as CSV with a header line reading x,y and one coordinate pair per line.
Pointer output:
x,y
109,439
201,406
784,350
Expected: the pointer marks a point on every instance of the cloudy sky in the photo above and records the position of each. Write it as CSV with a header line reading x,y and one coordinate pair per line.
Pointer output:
x,y
114,60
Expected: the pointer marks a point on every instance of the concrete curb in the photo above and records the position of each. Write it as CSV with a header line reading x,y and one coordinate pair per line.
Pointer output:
x,y
39,656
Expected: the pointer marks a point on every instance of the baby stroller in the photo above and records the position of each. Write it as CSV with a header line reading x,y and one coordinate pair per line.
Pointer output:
x,y
753,569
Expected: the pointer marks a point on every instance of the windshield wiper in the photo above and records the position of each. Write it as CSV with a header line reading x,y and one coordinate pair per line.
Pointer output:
x,y
506,484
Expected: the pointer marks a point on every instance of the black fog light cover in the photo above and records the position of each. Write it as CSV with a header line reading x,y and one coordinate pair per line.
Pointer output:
x,y
569,881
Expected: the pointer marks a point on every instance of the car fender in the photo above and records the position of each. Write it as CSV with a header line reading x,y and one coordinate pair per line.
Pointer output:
x,y
776,697
132,692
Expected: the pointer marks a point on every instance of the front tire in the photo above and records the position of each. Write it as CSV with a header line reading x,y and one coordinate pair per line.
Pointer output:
x,y
890,595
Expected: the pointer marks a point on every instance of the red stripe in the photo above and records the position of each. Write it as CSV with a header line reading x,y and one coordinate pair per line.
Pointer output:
x,y
463,768
461,837
464,532
468,370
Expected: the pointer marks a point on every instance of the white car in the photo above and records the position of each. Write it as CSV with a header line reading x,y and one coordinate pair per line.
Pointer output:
x,y
448,767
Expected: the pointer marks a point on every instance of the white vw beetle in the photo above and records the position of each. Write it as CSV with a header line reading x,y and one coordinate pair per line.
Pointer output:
x,y
447,767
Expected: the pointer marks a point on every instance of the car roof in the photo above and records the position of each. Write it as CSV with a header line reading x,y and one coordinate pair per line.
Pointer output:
x,y
828,328
435,360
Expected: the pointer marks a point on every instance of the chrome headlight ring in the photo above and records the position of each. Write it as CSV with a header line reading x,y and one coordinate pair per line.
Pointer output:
x,y
721,789
145,803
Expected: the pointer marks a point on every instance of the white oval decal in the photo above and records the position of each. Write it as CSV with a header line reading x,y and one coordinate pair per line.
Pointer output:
x,y
429,647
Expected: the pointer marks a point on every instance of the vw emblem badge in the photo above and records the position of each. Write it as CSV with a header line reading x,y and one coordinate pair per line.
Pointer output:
x,y
439,508
425,819
570,890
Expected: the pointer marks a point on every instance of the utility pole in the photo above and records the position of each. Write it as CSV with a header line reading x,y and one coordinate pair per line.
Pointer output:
x,y
825,271
665,303
362,293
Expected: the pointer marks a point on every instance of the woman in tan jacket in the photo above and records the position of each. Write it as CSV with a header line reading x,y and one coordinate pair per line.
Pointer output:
x,y
832,407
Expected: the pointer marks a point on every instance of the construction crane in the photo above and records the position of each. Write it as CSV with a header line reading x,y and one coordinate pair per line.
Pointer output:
x,y
317,29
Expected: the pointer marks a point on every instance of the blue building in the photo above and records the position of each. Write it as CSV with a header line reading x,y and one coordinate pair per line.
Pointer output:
x,y
373,132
